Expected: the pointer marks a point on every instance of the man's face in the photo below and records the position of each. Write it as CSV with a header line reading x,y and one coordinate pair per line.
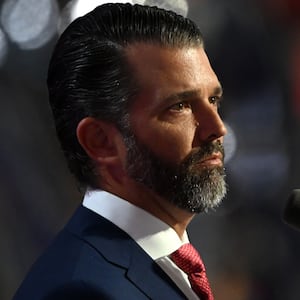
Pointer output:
x,y
175,145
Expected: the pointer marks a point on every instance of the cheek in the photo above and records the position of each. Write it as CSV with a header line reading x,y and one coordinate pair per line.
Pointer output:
x,y
172,143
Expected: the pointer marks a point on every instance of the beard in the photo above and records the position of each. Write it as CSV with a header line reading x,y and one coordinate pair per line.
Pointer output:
x,y
186,185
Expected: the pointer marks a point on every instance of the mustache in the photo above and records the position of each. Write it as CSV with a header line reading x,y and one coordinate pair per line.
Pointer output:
x,y
204,151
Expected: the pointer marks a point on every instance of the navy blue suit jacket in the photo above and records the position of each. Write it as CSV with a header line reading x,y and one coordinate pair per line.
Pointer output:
x,y
91,258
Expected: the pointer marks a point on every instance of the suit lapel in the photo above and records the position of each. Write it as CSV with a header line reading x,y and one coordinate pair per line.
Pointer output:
x,y
150,278
120,249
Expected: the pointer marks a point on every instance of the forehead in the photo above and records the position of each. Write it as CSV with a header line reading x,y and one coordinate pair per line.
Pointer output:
x,y
169,70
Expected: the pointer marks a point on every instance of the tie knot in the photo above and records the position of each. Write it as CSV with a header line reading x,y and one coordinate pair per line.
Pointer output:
x,y
188,259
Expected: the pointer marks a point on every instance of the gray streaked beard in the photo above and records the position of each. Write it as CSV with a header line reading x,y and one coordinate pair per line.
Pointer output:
x,y
188,187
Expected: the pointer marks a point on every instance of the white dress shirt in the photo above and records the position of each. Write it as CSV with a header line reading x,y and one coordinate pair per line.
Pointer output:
x,y
155,237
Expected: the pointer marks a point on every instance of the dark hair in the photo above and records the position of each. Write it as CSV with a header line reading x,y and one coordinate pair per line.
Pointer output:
x,y
89,75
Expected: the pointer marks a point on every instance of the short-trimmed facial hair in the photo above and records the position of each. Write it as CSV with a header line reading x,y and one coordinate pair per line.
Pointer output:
x,y
187,185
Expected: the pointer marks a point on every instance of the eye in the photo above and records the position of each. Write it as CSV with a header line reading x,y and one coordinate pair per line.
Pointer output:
x,y
180,106
215,100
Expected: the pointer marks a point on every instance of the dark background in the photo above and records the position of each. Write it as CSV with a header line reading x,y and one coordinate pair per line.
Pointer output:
x,y
254,46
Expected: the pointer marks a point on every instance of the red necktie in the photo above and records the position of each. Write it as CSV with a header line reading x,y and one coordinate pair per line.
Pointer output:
x,y
189,261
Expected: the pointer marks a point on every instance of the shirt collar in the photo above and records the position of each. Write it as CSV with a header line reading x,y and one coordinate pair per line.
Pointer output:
x,y
156,238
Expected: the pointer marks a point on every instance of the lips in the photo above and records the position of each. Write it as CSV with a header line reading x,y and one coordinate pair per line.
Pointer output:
x,y
215,159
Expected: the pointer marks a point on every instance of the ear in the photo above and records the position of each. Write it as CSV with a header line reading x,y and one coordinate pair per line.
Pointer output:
x,y
100,141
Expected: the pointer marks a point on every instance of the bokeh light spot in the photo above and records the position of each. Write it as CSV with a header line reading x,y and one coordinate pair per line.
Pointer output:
x,y
81,7
230,143
29,23
3,47
181,7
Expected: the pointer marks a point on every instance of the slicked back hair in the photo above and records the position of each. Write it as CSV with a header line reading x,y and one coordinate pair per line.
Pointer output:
x,y
89,75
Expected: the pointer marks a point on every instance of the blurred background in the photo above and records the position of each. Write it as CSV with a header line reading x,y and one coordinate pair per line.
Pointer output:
x,y
254,46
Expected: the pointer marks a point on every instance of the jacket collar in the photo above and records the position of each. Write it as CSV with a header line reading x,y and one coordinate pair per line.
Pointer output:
x,y
119,248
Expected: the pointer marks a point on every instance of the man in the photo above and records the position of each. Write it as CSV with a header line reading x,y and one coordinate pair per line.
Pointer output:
x,y
135,102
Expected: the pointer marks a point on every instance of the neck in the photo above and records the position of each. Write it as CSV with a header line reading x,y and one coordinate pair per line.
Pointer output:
x,y
143,197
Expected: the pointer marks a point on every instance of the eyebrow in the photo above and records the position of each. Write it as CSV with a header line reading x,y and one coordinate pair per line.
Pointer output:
x,y
186,95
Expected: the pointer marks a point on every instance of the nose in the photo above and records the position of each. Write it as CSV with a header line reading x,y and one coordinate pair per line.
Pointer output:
x,y
210,125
